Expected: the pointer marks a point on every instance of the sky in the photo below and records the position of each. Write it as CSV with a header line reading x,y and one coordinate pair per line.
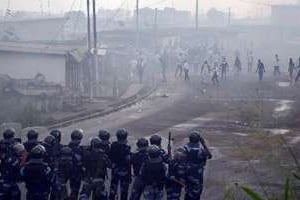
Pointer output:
x,y
238,7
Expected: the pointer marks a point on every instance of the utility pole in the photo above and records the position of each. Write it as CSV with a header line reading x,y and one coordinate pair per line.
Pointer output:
x,y
88,25
96,88
155,28
89,63
229,16
137,38
197,14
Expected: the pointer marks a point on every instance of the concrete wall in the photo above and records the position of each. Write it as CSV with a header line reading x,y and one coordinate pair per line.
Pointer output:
x,y
26,65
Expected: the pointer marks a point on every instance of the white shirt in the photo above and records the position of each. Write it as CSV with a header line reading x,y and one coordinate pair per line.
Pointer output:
x,y
186,66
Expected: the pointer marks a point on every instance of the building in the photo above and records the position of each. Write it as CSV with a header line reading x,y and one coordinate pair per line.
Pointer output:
x,y
68,66
168,17
25,60
285,15
41,29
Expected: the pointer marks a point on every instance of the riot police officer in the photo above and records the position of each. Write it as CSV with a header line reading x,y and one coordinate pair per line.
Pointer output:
x,y
37,175
104,136
176,175
156,140
76,171
121,168
153,173
197,155
64,173
57,135
6,145
49,144
137,160
9,188
32,140
96,163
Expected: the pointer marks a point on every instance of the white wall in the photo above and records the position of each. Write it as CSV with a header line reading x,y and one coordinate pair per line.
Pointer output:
x,y
23,65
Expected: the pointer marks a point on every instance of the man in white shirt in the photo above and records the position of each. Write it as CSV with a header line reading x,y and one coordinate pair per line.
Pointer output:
x,y
186,70
276,66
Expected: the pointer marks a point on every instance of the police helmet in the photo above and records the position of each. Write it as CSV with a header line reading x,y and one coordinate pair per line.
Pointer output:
x,y
180,154
32,134
142,143
104,135
194,137
77,134
66,150
9,133
18,148
155,140
122,134
56,134
96,143
50,140
154,151
38,151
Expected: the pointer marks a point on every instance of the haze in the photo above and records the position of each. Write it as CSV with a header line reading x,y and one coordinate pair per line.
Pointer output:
x,y
239,7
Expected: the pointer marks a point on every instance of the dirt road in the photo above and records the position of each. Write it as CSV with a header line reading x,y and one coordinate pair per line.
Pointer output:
x,y
248,125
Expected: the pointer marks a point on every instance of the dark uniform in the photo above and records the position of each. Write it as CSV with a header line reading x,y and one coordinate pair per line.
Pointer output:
x,y
291,68
32,140
37,175
6,145
137,160
260,69
64,173
9,188
153,173
104,137
156,140
96,163
197,154
121,166
49,157
57,146
224,68
77,170
176,175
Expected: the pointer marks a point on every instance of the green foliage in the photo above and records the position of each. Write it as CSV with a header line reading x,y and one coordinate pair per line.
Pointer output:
x,y
252,194
287,189
287,195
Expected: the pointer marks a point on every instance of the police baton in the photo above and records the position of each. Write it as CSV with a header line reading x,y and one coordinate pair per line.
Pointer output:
x,y
205,147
